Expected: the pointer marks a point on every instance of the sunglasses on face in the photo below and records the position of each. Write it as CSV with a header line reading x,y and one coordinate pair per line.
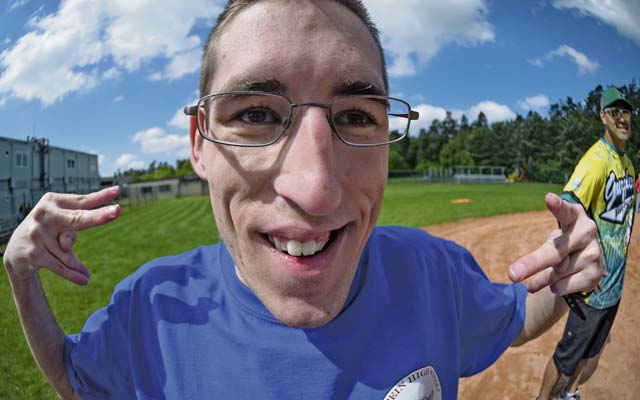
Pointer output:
x,y
616,113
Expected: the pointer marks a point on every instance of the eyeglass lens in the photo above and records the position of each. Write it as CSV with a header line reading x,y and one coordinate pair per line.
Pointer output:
x,y
616,113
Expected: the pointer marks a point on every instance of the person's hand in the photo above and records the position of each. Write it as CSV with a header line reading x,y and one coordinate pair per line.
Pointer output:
x,y
570,260
46,237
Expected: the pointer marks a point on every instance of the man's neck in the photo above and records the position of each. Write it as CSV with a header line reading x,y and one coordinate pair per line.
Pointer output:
x,y
618,144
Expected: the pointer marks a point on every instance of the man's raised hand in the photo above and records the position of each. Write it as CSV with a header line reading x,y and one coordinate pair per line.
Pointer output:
x,y
46,237
570,259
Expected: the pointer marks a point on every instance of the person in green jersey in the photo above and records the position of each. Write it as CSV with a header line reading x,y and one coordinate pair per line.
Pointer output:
x,y
603,183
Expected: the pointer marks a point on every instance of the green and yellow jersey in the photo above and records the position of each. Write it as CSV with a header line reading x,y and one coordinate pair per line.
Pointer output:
x,y
603,182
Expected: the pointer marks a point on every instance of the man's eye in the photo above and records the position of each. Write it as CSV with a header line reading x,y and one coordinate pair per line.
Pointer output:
x,y
258,116
354,118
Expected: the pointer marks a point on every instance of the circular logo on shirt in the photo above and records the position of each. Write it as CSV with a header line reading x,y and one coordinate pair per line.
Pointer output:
x,y
421,384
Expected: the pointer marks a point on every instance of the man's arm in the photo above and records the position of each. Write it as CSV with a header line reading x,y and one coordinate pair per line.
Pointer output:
x,y
543,310
568,262
45,239
44,336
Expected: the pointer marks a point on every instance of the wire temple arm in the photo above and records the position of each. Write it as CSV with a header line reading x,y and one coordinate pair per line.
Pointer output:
x,y
191,110
413,116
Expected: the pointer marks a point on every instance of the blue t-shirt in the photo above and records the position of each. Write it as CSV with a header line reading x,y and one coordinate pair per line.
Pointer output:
x,y
419,315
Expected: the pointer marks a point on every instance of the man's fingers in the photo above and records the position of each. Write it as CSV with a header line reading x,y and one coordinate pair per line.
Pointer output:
x,y
64,259
85,201
591,271
62,220
578,232
66,240
549,276
572,284
69,274
543,257
565,212
579,273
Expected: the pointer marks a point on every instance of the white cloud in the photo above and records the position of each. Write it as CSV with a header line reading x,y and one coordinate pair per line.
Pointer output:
x,y
414,32
111,73
118,99
623,15
6,40
156,140
427,114
183,63
585,65
180,120
493,111
17,4
536,62
83,43
127,161
534,102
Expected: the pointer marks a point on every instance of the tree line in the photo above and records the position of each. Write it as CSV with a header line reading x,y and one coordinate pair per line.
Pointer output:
x,y
159,170
532,147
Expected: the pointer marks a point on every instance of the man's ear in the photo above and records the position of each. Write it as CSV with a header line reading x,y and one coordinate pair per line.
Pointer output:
x,y
196,149
603,117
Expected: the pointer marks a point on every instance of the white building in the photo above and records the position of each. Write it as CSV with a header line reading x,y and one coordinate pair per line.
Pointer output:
x,y
30,168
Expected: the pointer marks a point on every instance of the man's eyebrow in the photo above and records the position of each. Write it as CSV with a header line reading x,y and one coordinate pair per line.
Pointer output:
x,y
357,87
259,85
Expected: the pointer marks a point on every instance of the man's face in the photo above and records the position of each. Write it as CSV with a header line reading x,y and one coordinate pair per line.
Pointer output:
x,y
309,186
617,130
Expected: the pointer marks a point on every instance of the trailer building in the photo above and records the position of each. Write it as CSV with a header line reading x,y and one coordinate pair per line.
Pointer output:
x,y
29,169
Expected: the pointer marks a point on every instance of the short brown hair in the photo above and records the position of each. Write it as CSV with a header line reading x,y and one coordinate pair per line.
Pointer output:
x,y
234,7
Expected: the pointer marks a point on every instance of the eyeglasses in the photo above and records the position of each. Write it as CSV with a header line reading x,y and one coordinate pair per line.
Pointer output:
x,y
257,119
615,113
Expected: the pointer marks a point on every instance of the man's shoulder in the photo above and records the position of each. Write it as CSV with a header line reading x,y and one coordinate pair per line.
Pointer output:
x,y
411,240
598,153
196,264
403,234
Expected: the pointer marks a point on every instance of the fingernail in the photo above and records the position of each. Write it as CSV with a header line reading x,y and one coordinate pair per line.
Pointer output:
x,y
516,272
112,211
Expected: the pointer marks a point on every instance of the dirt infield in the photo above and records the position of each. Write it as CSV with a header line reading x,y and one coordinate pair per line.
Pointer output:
x,y
498,241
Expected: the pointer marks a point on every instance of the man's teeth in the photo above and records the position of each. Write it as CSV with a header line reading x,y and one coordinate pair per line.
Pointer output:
x,y
296,248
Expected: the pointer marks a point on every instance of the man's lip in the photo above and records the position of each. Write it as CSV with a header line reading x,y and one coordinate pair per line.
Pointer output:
x,y
302,234
317,260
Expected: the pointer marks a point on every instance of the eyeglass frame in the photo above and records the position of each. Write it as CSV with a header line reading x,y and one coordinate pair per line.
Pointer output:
x,y
607,110
192,111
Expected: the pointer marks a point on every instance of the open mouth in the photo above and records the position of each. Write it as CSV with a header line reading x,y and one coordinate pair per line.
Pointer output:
x,y
306,248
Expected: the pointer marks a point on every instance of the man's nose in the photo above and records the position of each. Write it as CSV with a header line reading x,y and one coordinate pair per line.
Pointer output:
x,y
308,176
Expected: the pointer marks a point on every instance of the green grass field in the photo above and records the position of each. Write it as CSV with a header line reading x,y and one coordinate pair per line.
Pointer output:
x,y
172,226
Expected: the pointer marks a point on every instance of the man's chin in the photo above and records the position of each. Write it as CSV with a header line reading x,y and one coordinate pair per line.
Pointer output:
x,y
305,317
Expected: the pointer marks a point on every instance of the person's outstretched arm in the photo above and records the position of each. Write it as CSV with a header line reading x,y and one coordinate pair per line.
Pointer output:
x,y
45,239
569,261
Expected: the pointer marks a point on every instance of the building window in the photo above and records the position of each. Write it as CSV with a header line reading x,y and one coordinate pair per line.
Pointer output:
x,y
71,163
146,190
21,159
164,188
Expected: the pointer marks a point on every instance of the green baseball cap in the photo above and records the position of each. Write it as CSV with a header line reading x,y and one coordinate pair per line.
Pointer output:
x,y
611,96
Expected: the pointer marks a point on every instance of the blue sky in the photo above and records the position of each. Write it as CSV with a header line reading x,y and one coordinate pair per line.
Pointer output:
x,y
111,77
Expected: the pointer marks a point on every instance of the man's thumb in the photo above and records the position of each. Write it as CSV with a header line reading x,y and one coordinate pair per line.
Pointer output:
x,y
565,212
